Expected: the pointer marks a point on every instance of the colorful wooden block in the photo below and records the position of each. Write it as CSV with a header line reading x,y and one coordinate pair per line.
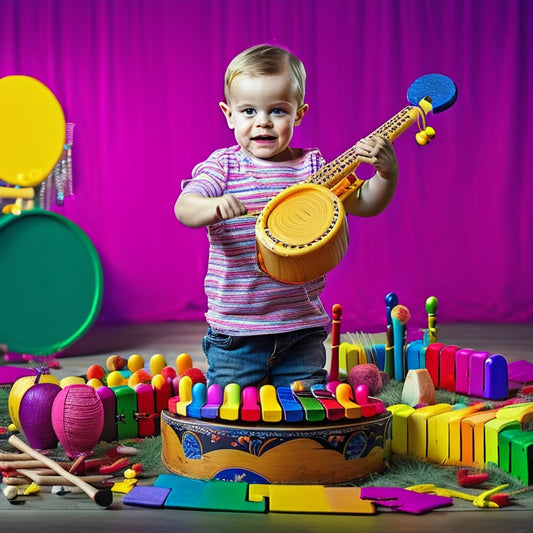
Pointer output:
x,y
462,369
493,428
522,457
417,427
433,361
400,431
496,378
504,447
146,413
109,402
473,438
127,426
444,435
447,368
413,354
476,373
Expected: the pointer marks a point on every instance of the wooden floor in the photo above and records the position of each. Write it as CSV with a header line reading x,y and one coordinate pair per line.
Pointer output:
x,y
515,341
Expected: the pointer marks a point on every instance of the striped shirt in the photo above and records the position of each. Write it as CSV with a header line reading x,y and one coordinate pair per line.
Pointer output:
x,y
243,300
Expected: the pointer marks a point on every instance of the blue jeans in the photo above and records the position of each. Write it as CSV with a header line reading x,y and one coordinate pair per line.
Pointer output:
x,y
277,359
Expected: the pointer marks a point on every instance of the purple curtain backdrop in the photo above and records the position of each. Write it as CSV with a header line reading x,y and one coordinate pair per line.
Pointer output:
x,y
142,79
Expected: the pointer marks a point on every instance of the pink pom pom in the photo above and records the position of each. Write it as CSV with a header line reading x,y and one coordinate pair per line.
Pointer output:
x,y
366,374
78,419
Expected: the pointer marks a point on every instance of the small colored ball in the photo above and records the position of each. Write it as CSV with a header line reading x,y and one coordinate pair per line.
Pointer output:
x,y
10,492
159,382
157,363
168,372
71,380
115,379
135,362
140,376
95,383
366,374
115,362
95,371
183,362
196,375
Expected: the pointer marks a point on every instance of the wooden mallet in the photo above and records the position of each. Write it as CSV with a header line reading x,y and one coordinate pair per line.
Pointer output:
x,y
102,497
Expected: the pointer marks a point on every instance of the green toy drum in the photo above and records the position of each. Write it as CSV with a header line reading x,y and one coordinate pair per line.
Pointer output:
x,y
51,282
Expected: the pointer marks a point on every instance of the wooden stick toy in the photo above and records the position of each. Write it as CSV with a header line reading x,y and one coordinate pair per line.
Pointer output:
x,y
102,497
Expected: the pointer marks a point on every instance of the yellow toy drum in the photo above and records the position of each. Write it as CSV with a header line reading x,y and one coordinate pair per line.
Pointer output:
x,y
301,233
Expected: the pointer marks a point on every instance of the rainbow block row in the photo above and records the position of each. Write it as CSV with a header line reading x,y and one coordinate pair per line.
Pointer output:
x,y
462,370
470,436
271,404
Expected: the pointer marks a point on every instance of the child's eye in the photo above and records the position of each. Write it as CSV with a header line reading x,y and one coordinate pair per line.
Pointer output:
x,y
248,112
277,111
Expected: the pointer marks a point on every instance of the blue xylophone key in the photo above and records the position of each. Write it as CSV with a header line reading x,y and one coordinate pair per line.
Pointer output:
x,y
199,398
292,409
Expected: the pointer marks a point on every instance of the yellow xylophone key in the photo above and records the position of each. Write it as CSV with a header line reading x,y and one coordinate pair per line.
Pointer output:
x,y
271,410
185,394
344,395
231,402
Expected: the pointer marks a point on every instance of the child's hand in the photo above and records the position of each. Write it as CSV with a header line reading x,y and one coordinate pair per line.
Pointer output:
x,y
381,151
229,206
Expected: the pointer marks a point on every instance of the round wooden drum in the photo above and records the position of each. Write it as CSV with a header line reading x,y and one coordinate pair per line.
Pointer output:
x,y
301,233
336,452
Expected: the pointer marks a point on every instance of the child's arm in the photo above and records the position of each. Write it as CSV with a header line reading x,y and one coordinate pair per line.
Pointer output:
x,y
377,192
195,210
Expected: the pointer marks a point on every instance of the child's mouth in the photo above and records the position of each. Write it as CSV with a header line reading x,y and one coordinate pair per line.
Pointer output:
x,y
261,138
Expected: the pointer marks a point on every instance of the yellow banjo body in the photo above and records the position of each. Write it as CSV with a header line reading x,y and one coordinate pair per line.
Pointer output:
x,y
302,233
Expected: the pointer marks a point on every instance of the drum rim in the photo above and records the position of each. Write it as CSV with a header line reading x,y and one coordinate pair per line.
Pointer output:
x,y
95,270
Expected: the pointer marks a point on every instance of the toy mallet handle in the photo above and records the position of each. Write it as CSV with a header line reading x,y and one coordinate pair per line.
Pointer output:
x,y
102,497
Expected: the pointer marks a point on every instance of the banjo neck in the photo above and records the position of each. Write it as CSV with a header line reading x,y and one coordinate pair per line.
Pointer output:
x,y
339,176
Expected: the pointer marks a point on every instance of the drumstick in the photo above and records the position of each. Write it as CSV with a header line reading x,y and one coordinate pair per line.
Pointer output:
x,y
102,497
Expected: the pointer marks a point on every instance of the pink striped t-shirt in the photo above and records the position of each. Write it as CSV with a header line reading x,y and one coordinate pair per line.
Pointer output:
x,y
243,300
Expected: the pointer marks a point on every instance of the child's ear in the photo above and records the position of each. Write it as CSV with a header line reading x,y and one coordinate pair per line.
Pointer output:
x,y
227,113
302,110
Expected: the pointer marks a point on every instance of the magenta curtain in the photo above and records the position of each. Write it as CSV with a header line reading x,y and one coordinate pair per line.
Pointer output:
x,y
142,79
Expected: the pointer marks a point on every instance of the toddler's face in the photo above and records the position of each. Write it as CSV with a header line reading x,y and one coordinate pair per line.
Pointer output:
x,y
263,112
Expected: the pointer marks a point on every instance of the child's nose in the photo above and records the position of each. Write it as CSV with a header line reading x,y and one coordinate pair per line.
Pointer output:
x,y
263,119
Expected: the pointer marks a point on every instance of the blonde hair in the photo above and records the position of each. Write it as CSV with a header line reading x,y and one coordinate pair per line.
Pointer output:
x,y
265,60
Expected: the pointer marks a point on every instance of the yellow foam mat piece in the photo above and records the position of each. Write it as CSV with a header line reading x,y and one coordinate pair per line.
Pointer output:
x,y
311,499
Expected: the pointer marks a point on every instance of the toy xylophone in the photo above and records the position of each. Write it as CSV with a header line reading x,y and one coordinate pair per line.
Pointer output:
x,y
271,404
